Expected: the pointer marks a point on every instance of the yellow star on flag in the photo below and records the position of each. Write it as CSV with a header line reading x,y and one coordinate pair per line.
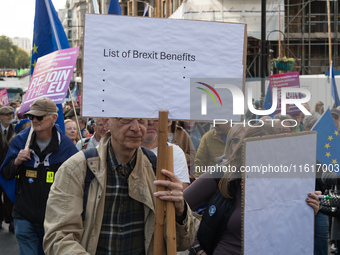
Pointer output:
x,y
328,154
330,138
336,132
35,61
34,49
334,161
327,145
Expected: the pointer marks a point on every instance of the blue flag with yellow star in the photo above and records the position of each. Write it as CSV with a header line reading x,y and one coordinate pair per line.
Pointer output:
x,y
48,36
328,142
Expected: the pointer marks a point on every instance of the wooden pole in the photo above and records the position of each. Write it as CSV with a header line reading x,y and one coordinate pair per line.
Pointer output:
x,y
279,35
161,164
279,32
29,137
170,219
329,33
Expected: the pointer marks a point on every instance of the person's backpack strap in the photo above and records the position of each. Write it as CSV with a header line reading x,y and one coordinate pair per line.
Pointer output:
x,y
89,153
151,157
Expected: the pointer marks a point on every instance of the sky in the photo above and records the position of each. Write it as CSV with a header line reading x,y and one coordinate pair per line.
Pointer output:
x,y
17,17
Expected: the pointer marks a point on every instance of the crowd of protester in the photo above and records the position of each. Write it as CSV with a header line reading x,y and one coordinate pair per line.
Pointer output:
x,y
46,215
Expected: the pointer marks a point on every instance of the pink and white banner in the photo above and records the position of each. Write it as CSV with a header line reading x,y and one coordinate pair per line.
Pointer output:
x,y
4,99
285,80
51,77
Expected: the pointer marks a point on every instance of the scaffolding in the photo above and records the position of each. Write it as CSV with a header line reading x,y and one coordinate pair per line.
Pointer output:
x,y
305,39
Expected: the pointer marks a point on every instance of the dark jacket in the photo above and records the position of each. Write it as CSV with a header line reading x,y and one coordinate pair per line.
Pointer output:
x,y
35,176
3,145
213,224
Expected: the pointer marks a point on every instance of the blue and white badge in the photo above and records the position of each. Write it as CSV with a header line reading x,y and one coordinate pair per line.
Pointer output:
x,y
30,180
212,210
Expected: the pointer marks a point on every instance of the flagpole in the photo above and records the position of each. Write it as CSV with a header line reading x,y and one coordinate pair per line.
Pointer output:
x,y
48,7
95,6
329,34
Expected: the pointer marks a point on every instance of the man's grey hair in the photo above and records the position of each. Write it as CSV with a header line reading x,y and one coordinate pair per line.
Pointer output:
x,y
310,120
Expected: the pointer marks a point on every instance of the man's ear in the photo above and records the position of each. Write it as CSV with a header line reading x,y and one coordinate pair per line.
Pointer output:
x,y
55,117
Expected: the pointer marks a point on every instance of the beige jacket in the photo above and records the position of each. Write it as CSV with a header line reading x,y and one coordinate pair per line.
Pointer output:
x,y
66,233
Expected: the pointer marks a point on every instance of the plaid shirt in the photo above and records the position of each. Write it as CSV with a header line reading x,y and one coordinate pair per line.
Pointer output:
x,y
122,230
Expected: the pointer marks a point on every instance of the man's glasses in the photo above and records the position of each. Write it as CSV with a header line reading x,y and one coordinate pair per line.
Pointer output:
x,y
39,118
128,121
235,140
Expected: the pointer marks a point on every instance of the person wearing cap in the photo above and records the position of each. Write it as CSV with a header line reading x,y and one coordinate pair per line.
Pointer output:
x,y
35,168
336,117
6,136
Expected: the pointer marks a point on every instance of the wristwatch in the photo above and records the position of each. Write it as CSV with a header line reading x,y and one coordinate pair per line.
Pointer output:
x,y
194,250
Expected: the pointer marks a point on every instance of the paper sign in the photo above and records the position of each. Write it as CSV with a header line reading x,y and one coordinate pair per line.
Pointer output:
x,y
4,99
51,77
277,180
285,80
134,66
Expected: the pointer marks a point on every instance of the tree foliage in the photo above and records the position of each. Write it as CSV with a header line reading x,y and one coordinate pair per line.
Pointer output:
x,y
11,56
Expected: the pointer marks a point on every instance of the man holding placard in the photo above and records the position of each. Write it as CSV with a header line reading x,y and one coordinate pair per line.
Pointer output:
x,y
34,157
120,210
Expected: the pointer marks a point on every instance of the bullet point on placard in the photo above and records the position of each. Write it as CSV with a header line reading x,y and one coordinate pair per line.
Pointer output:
x,y
103,100
103,79
103,90
104,70
102,110
184,67
183,77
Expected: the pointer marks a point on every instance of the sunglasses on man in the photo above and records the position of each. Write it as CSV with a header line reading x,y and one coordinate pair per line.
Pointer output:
x,y
39,118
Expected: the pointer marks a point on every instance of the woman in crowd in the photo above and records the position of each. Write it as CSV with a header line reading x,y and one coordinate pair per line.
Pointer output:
x,y
71,130
319,107
235,135
222,234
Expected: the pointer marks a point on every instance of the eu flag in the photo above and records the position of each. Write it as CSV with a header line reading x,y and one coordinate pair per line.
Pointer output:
x,y
48,36
328,142
335,94
114,8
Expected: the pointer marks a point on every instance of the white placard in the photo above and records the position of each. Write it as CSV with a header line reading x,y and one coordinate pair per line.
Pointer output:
x,y
277,219
135,67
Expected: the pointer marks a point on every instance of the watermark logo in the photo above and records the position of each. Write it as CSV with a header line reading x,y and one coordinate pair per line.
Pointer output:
x,y
204,97
226,98
288,95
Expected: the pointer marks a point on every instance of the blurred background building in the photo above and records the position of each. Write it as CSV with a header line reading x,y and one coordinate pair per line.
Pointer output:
x,y
304,30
